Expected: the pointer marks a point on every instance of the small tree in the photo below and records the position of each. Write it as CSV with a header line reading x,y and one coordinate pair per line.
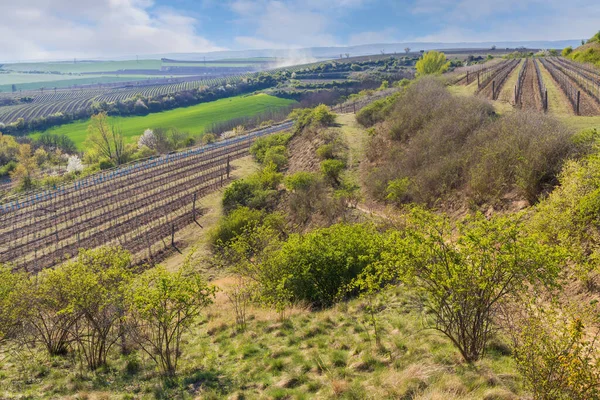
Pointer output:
x,y
432,63
106,139
27,168
407,50
148,139
74,164
49,317
162,305
464,278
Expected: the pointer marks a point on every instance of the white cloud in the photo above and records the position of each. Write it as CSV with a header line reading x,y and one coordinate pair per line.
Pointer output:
x,y
56,29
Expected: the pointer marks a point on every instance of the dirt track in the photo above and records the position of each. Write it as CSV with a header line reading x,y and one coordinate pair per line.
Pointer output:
x,y
531,98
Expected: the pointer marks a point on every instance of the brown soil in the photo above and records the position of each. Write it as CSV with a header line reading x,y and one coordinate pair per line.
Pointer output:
x,y
302,150
531,98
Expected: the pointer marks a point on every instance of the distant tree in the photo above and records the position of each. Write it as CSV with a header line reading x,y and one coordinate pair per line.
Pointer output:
x,y
494,47
553,52
74,164
407,50
26,169
347,55
432,63
147,139
14,88
106,139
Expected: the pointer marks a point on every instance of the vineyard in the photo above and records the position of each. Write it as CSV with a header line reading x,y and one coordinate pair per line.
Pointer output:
x,y
49,102
139,207
579,83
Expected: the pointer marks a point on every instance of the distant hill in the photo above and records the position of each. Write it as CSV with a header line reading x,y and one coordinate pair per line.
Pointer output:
x,y
310,54
367,49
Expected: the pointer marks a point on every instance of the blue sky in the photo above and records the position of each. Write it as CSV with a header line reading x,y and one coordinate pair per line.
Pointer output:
x,y
38,29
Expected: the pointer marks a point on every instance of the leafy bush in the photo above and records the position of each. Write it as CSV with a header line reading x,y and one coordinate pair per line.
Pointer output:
x,y
240,220
162,305
432,63
463,277
277,156
377,110
257,191
567,51
332,170
261,146
318,117
556,353
314,268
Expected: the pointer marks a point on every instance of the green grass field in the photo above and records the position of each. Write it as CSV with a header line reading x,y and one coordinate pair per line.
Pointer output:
x,y
194,119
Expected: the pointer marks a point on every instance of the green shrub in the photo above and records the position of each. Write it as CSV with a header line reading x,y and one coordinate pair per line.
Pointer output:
x,y
6,169
332,170
325,152
314,268
277,156
567,51
105,163
241,220
318,117
377,111
260,147
301,181
257,191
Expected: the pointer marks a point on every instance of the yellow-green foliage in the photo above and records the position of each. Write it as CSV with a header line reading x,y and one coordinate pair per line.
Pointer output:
x,y
569,215
318,117
463,271
557,355
566,51
432,63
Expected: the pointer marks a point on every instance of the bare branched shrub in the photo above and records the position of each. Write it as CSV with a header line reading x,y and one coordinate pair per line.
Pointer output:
x,y
439,144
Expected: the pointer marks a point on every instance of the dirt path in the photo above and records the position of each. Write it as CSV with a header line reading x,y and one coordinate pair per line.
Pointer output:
x,y
531,98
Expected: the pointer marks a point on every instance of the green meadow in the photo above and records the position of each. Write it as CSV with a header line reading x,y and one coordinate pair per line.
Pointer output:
x,y
193,119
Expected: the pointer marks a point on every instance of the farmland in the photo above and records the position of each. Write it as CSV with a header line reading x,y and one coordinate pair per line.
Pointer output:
x,y
542,84
136,206
193,119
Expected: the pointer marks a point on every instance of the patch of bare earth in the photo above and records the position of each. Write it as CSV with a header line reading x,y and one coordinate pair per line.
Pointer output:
x,y
531,98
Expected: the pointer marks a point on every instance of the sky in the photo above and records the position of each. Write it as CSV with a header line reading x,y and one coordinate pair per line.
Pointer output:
x,y
62,29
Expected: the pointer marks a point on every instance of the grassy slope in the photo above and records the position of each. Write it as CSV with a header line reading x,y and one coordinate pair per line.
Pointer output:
x,y
193,119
